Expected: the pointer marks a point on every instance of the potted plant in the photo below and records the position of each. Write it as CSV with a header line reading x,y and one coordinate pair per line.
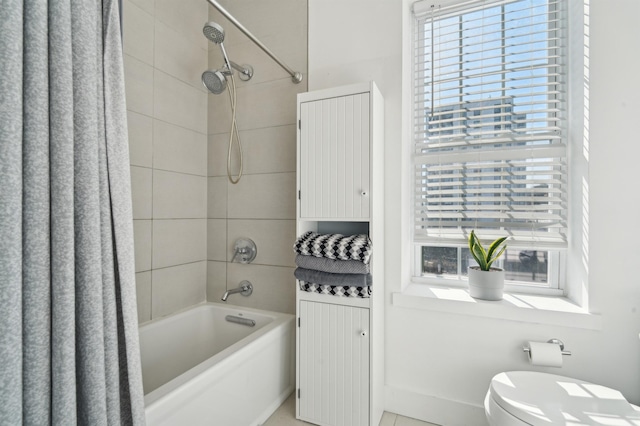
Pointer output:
x,y
485,282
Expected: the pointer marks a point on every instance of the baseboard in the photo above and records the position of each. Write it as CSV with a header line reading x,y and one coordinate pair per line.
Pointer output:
x,y
433,409
273,407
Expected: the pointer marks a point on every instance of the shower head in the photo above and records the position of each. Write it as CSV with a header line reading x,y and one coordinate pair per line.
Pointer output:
x,y
214,81
213,32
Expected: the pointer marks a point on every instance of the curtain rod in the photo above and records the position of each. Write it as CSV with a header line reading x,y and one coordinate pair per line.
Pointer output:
x,y
296,77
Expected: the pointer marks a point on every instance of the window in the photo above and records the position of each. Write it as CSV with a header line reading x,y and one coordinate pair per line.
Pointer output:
x,y
490,136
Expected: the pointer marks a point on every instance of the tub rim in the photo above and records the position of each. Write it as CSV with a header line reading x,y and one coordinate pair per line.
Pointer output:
x,y
218,360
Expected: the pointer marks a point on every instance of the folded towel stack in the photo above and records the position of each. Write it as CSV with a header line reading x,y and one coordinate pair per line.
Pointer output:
x,y
334,264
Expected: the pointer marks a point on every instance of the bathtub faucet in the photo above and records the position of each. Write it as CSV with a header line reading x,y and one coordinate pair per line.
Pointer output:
x,y
245,288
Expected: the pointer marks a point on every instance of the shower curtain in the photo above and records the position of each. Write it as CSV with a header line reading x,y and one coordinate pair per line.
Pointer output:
x,y
69,351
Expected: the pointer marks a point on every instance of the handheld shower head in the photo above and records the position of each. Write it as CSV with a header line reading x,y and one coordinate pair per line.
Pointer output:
x,y
214,81
213,32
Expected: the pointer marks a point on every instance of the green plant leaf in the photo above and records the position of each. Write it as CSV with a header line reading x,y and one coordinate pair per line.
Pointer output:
x,y
472,240
477,259
494,245
480,255
486,257
496,257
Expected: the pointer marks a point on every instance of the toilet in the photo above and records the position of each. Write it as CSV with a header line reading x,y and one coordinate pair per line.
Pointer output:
x,y
519,398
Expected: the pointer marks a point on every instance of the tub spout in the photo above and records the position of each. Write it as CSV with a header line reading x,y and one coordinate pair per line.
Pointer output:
x,y
245,288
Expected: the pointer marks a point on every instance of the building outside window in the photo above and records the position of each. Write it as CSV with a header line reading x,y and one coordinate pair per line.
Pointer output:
x,y
490,137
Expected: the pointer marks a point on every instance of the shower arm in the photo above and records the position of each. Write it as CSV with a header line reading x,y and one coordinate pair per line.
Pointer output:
x,y
296,77
246,71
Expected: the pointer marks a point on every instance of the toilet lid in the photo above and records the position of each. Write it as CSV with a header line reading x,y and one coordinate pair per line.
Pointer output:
x,y
546,399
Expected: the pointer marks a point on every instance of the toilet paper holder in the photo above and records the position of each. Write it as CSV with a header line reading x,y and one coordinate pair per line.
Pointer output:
x,y
555,341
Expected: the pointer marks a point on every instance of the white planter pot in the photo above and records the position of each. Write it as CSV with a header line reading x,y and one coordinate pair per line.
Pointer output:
x,y
486,285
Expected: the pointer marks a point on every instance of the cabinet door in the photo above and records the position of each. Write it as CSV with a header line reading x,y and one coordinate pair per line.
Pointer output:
x,y
334,364
334,158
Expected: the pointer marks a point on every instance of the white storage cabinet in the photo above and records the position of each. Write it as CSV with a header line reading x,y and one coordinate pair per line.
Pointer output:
x,y
334,363
334,158
339,362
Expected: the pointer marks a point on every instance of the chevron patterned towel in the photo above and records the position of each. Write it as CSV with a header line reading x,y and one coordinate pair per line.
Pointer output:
x,y
336,290
335,246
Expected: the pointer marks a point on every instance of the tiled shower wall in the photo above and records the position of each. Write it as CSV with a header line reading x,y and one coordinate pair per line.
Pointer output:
x,y
262,205
165,54
186,214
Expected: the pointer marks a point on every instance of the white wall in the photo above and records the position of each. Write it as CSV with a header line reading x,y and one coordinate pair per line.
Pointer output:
x,y
438,365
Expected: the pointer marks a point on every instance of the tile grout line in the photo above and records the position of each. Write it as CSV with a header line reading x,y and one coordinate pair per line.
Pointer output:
x,y
153,137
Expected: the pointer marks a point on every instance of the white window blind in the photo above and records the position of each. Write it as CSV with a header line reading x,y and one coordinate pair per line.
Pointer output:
x,y
489,122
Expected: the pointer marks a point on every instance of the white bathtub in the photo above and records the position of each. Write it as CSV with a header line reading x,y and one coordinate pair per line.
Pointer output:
x,y
199,369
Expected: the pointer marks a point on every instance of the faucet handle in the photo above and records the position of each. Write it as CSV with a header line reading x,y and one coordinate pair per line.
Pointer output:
x,y
245,250
247,288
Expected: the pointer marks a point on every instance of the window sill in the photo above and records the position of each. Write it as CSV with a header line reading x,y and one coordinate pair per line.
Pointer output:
x,y
558,311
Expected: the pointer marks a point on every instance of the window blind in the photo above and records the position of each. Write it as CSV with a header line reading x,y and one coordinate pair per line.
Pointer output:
x,y
489,122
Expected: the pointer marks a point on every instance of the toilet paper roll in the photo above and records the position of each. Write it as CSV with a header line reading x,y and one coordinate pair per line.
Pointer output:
x,y
545,354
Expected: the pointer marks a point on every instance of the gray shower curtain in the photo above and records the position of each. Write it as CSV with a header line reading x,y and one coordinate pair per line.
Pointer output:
x,y
69,351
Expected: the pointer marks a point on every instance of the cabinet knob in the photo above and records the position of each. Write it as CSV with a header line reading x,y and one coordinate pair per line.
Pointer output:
x,y
363,193
363,333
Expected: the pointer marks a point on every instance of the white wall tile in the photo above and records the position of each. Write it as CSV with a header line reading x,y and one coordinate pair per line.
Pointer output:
x,y
216,280
179,103
217,154
146,5
266,150
176,142
270,150
141,192
137,33
138,83
178,241
217,198
177,287
290,46
217,239
214,54
140,139
143,296
264,18
178,149
176,55
218,111
179,195
268,196
273,287
274,239
142,244
186,16
260,105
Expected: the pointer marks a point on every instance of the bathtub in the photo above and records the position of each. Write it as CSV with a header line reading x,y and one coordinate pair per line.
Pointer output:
x,y
200,369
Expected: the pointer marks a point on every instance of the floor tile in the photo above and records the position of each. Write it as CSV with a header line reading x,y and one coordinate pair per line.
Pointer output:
x,y
406,421
285,415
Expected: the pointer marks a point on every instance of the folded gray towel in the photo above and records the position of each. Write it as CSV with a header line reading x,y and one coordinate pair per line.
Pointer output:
x,y
334,266
326,278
